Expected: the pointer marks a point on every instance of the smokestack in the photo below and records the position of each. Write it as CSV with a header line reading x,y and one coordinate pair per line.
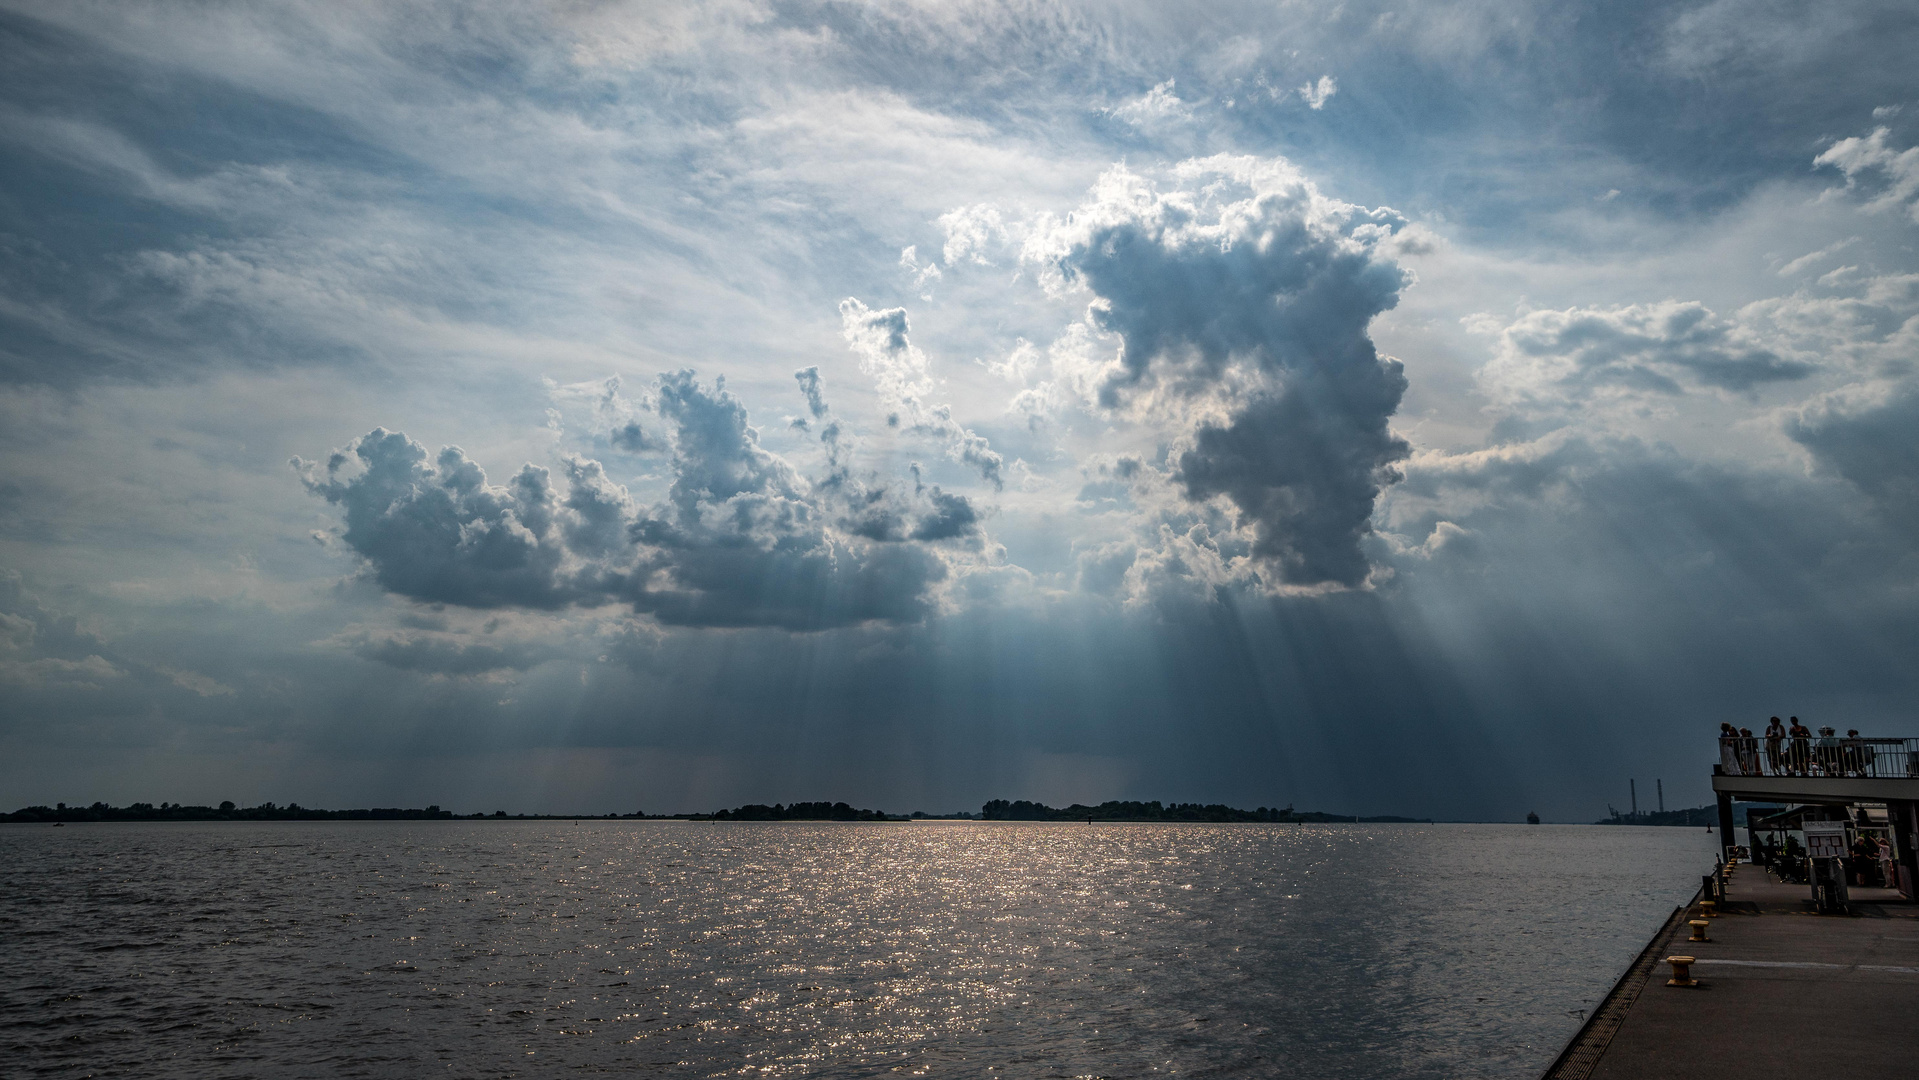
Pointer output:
x,y
1662,795
1635,797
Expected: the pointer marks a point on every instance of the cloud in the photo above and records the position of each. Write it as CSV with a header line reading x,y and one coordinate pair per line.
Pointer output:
x,y
443,655
1866,434
1556,358
972,233
54,672
921,272
904,378
1316,94
1898,169
203,685
809,380
952,517
1158,105
437,531
1807,260
43,648
613,416
1243,304
740,539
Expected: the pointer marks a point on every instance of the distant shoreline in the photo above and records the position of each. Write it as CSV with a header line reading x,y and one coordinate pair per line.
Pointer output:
x,y
996,810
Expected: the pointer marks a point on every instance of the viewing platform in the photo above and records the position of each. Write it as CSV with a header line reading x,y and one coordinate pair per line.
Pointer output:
x,y
1843,774
1818,768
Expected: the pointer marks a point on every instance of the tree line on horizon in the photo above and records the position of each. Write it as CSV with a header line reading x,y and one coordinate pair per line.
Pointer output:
x,y
994,810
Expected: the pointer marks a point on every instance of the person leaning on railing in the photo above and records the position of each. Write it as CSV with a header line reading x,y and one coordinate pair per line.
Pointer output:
x,y
1738,751
1776,747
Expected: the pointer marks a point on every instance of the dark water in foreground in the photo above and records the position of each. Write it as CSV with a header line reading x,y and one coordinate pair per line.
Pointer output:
x,y
696,949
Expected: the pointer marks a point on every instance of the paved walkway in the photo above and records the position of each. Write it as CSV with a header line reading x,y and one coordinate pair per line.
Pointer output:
x,y
1783,993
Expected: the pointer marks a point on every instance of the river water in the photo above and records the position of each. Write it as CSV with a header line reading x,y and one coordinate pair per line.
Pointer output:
x,y
483,949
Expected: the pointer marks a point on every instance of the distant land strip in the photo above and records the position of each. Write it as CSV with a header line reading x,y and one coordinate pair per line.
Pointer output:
x,y
996,810
1692,817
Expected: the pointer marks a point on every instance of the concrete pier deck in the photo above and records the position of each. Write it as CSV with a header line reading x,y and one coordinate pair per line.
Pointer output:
x,y
1782,993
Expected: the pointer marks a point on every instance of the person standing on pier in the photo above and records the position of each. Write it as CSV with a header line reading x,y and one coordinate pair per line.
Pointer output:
x,y
1748,752
1776,747
1825,752
1799,755
1857,755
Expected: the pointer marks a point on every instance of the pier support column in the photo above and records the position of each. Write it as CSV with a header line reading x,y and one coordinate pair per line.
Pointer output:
x,y
1727,838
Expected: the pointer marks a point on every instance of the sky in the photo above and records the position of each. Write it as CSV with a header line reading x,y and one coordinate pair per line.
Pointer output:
x,y
1447,410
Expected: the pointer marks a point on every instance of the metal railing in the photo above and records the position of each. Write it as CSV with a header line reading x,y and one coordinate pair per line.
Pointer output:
x,y
1820,755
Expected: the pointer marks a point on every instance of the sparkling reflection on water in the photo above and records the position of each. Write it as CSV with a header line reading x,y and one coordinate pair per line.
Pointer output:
x,y
700,949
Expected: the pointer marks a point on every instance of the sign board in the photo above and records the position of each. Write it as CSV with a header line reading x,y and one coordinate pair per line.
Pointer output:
x,y
1825,839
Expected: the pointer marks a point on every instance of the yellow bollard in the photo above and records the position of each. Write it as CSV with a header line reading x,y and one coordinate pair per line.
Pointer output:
x,y
1682,971
1699,930
1709,909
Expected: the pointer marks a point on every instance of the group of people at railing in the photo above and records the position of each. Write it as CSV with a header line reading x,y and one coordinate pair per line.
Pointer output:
x,y
1795,751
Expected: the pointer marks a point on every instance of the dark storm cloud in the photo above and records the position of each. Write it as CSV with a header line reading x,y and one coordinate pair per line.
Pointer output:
x,y
742,539
952,517
437,531
1868,437
1306,465
1262,304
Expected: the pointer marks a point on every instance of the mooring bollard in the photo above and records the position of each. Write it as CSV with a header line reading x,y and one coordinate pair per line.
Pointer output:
x,y
1682,971
1709,909
1699,929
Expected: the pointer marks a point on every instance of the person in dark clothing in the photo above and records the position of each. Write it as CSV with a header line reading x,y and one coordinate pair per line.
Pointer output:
x,y
1865,862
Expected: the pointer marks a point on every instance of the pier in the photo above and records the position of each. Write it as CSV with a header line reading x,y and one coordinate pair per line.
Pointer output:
x,y
1790,981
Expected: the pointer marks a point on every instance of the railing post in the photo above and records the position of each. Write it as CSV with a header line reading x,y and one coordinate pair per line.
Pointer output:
x,y
1726,837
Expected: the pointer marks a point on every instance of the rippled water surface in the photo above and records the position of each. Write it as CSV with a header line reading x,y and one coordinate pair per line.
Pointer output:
x,y
700,949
